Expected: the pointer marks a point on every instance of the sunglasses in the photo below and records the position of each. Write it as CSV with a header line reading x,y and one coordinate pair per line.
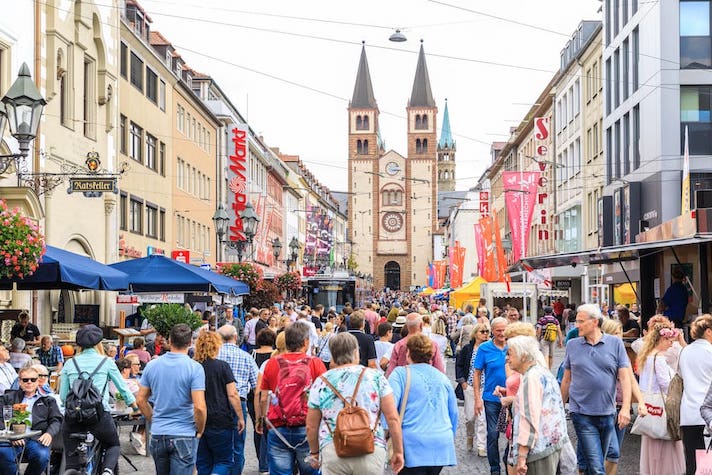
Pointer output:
x,y
28,380
484,331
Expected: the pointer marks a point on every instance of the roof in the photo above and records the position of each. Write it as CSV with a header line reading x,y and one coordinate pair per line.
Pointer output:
x,y
422,95
157,39
363,97
446,140
448,199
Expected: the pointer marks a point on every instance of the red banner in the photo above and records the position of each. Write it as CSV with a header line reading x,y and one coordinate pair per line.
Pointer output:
x,y
520,190
489,271
480,247
501,263
440,268
457,260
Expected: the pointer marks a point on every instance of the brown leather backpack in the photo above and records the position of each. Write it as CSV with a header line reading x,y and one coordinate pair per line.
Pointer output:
x,y
353,435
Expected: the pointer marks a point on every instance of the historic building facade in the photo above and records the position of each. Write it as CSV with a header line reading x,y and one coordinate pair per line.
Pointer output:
x,y
392,198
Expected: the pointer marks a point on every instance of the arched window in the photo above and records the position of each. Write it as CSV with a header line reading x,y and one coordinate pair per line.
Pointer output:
x,y
418,123
424,122
418,146
359,122
440,175
359,147
365,123
365,147
424,146
446,175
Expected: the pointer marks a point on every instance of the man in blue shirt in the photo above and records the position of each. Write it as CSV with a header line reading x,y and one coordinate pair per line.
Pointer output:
x,y
674,303
490,359
176,386
593,363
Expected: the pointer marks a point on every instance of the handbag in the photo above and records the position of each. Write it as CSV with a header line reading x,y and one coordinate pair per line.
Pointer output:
x,y
703,458
401,411
654,425
672,405
502,419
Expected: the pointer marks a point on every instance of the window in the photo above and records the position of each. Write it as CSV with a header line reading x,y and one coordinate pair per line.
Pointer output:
x,y
616,16
162,95
577,157
577,97
122,134
180,174
636,137
617,149
189,130
136,150
588,93
595,79
616,86
362,147
609,93
624,67
635,59
595,148
207,142
124,59
180,118
696,115
123,211
608,23
609,157
151,152
151,85
151,220
626,144
89,99
162,225
625,12
695,41
136,216
137,71
571,101
162,159
633,7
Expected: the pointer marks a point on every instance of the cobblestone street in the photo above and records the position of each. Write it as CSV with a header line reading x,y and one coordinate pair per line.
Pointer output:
x,y
468,462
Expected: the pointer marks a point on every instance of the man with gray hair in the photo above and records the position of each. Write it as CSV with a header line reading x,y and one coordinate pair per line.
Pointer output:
x,y
245,370
414,323
594,362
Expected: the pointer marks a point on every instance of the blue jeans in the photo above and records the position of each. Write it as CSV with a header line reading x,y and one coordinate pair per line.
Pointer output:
x,y
238,445
37,457
594,434
173,455
492,410
263,461
215,452
282,458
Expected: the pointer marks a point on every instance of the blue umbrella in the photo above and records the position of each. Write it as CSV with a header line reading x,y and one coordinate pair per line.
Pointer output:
x,y
160,274
60,269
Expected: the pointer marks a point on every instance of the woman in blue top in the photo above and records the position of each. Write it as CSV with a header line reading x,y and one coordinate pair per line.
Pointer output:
x,y
430,420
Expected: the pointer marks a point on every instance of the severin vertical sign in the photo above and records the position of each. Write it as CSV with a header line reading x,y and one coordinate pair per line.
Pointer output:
x,y
237,183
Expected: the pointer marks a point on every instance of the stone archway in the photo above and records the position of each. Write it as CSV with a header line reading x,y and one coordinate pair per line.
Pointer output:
x,y
392,274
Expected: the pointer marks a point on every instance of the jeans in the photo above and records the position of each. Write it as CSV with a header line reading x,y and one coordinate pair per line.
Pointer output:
x,y
262,456
37,457
104,430
238,444
215,452
174,455
492,410
283,458
594,434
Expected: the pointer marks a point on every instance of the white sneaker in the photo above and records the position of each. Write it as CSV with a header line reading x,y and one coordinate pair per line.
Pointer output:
x,y
138,444
482,452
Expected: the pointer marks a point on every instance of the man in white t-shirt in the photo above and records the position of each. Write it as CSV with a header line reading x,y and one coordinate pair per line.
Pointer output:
x,y
384,347
313,335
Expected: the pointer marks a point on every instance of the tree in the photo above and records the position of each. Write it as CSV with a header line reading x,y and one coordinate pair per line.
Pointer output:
x,y
165,315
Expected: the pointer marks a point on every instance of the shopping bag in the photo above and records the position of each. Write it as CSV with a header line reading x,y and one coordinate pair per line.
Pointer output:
x,y
654,425
704,461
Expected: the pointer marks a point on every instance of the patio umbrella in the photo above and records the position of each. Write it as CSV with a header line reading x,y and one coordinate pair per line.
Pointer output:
x,y
60,269
160,274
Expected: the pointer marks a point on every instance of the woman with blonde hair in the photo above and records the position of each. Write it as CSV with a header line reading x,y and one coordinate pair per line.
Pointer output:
x,y
323,346
658,457
223,404
475,426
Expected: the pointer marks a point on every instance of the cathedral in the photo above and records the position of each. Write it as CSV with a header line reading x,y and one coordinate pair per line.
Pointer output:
x,y
392,212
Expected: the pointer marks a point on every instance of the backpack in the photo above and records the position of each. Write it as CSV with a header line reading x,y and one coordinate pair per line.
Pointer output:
x,y
352,435
294,382
84,404
551,331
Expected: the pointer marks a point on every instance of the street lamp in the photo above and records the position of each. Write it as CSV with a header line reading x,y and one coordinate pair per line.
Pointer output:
x,y
249,227
294,247
276,248
22,109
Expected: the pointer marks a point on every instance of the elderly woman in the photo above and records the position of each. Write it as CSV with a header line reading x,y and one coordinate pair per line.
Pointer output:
x,y
371,391
462,334
539,428
429,406
215,455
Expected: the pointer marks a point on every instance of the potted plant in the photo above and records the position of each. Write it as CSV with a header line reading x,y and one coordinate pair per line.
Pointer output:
x,y
20,418
21,244
164,316
120,403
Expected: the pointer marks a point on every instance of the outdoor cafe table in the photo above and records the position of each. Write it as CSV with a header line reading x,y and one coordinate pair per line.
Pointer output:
x,y
9,437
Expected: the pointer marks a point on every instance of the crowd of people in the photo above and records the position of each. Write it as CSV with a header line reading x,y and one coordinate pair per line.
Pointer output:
x,y
297,372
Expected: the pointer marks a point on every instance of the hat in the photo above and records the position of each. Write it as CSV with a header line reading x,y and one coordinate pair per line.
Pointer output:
x,y
400,321
548,310
89,335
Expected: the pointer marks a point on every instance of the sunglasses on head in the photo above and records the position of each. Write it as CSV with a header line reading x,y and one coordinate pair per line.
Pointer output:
x,y
28,380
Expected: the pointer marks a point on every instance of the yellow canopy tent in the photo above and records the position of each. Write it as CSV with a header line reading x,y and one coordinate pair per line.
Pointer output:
x,y
427,291
624,293
466,293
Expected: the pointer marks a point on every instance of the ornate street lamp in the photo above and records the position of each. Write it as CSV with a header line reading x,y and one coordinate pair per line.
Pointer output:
x,y
22,109
294,247
249,226
276,248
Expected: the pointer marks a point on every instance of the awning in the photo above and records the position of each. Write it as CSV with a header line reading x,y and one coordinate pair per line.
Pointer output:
x,y
60,269
606,255
160,274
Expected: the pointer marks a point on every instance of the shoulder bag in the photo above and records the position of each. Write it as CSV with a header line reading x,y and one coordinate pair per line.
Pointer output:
x,y
655,424
672,404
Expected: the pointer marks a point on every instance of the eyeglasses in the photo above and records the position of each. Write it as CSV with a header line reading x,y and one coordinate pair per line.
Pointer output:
x,y
135,364
484,331
43,375
28,380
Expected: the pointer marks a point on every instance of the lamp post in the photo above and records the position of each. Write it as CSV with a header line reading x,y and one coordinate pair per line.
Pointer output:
x,y
22,109
276,249
294,247
249,227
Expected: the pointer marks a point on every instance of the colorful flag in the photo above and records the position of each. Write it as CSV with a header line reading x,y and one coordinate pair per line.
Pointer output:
x,y
686,178
501,263
520,190
480,248
456,254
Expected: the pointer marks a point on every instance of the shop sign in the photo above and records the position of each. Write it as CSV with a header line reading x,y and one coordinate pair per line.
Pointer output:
x,y
181,256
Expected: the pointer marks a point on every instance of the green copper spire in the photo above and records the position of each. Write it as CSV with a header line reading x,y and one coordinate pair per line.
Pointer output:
x,y
446,140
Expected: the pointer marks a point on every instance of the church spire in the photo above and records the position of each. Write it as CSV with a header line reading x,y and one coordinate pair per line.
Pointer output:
x,y
446,140
363,97
422,96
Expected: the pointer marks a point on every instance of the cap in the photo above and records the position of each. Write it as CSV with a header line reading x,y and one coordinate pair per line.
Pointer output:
x,y
89,335
548,310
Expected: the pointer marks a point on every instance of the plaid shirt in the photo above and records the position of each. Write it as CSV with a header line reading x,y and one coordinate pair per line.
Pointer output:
x,y
451,323
52,357
243,367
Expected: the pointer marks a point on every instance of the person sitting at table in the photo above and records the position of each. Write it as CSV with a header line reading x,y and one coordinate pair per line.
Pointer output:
x,y
128,367
139,349
25,330
157,347
50,354
8,375
18,357
45,417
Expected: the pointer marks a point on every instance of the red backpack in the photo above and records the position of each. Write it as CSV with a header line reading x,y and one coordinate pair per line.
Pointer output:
x,y
294,382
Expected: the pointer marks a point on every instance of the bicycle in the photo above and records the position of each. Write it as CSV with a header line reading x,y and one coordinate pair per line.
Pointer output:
x,y
90,454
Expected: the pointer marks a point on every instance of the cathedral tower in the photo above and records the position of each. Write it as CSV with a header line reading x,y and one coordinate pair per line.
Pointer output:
x,y
446,155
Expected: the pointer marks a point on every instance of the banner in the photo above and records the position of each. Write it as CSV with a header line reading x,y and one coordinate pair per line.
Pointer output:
x,y
457,260
501,263
489,271
480,248
520,190
431,275
440,269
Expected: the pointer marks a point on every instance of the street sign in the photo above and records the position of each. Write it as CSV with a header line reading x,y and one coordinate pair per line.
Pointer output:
x,y
92,185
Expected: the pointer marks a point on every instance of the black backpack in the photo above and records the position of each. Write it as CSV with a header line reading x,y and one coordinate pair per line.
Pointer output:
x,y
84,403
